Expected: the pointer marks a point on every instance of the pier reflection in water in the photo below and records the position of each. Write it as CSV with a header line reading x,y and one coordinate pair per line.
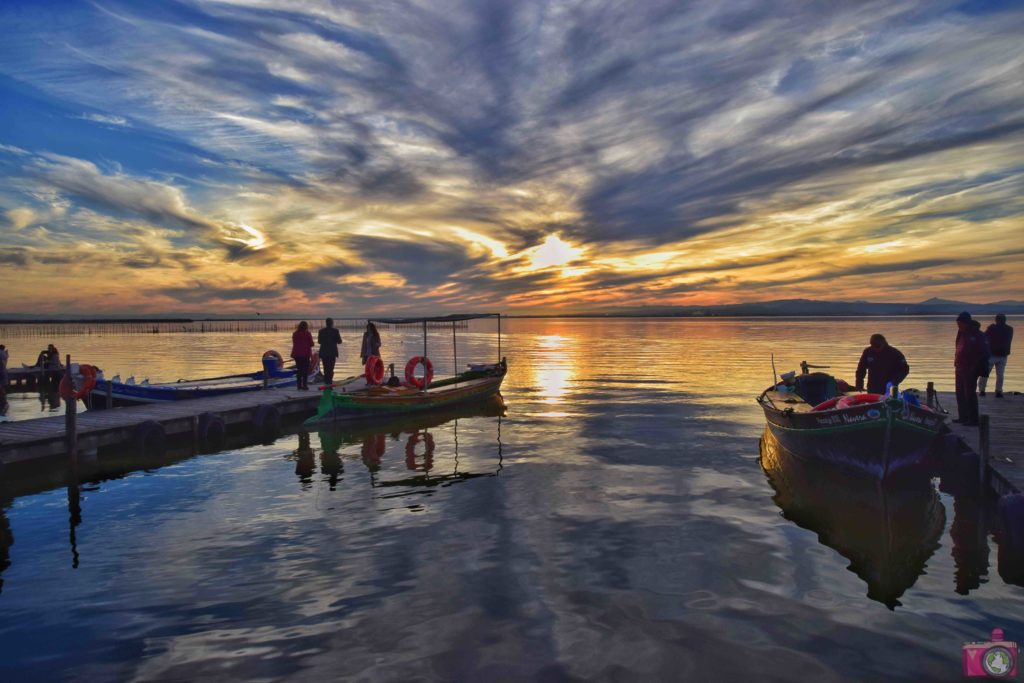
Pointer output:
x,y
887,530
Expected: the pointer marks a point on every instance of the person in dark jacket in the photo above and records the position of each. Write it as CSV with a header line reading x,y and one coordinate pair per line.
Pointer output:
x,y
328,338
999,337
371,343
883,364
970,363
302,351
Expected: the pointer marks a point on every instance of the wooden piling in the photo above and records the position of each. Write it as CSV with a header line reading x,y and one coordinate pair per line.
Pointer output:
x,y
930,400
71,420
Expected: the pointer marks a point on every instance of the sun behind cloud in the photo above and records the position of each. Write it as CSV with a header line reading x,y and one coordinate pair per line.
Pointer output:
x,y
554,252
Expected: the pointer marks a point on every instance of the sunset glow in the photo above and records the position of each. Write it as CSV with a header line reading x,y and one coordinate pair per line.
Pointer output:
x,y
302,157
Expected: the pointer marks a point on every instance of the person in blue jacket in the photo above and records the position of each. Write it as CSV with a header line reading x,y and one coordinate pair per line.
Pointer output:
x,y
999,336
883,365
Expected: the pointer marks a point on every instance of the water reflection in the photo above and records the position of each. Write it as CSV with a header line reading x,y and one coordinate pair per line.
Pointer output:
x,y
422,463
888,530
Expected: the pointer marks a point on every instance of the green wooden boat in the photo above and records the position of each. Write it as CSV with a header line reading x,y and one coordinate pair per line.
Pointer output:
x,y
368,400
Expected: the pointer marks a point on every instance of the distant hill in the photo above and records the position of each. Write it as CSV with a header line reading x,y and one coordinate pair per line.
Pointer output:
x,y
811,307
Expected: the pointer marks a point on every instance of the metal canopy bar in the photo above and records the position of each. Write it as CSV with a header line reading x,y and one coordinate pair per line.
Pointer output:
x,y
433,319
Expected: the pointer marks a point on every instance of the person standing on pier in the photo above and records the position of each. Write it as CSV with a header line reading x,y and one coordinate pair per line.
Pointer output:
x,y
970,363
302,349
371,343
329,338
999,336
883,365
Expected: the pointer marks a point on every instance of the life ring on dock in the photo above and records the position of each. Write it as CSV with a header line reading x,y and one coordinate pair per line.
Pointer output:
x,y
274,354
67,387
410,451
410,369
858,399
374,370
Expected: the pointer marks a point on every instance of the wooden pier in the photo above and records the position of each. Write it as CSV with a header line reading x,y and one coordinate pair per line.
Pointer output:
x,y
147,426
26,379
1005,437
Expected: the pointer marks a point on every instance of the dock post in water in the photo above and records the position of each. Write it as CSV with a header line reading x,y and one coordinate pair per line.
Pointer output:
x,y
930,400
71,419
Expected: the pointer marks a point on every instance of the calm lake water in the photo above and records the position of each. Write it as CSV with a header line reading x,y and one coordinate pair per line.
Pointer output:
x,y
611,522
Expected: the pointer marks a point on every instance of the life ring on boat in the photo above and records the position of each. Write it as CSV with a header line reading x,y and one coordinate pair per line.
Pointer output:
x,y
274,354
827,405
374,370
410,450
67,387
428,371
858,399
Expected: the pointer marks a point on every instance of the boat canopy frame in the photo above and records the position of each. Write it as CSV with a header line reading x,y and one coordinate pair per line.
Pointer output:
x,y
454,318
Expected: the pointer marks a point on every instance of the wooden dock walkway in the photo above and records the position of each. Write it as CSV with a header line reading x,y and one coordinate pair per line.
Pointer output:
x,y
24,379
29,440
1006,436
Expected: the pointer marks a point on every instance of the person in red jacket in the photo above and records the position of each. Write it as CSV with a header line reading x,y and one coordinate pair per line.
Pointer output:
x,y
970,363
883,365
302,349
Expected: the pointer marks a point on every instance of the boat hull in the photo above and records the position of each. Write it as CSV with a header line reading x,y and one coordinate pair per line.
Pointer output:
x,y
878,438
135,394
382,402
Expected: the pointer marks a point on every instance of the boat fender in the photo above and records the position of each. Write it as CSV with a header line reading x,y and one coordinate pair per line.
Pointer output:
x,y
266,421
858,399
271,353
410,450
67,388
211,431
410,369
374,370
149,439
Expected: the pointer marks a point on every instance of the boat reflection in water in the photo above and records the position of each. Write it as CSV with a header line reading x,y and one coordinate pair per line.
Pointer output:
x,y
423,465
888,530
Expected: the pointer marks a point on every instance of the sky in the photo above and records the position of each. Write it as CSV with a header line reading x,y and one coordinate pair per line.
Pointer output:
x,y
297,157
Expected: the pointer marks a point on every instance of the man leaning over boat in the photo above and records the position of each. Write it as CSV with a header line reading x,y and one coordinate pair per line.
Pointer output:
x,y
883,365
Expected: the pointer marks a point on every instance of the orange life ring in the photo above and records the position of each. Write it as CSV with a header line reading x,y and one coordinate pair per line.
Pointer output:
x,y
274,354
827,405
410,451
858,399
67,387
374,371
428,371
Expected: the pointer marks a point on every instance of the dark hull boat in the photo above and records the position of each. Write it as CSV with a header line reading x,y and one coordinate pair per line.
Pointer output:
x,y
887,530
868,432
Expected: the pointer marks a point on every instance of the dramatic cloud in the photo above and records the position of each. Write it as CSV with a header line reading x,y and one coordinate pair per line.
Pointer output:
x,y
522,156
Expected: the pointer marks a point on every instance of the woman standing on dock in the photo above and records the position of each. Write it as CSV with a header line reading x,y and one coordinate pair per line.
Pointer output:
x,y
302,349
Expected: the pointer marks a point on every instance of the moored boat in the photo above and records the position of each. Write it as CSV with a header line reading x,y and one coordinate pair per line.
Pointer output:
x,y
377,399
273,375
878,434
887,530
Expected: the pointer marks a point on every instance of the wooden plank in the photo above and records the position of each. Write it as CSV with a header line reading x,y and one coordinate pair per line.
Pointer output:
x,y
1006,433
